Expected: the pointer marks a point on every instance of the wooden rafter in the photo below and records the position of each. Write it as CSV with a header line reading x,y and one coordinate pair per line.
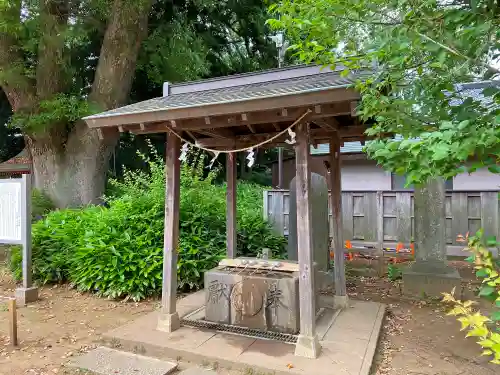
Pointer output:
x,y
217,133
273,117
327,123
263,117
347,132
191,135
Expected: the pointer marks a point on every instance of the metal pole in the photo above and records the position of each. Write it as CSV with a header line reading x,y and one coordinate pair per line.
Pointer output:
x,y
26,229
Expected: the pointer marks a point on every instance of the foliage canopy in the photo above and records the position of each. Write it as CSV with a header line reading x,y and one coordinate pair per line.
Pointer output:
x,y
414,53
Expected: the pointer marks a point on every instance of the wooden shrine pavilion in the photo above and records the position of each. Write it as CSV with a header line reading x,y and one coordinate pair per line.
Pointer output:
x,y
235,112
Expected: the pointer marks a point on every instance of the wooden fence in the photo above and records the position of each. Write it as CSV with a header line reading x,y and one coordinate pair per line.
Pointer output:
x,y
466,211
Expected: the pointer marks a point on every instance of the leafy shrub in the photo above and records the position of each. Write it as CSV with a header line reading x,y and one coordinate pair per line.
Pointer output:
x,y
485,328
54,241
41,204
394,272
117,251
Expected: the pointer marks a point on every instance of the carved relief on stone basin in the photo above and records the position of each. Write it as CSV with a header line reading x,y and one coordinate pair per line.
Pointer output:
x,y
258,299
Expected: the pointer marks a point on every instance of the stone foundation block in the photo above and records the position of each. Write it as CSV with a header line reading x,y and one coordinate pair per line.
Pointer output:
x,y
168,322
26,295
308,346
425,284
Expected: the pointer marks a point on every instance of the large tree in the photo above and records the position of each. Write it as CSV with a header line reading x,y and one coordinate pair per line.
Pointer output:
x,y
60,60
415,53
40,68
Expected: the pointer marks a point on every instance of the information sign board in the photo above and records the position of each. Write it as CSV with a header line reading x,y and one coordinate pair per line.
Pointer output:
x,y
11,211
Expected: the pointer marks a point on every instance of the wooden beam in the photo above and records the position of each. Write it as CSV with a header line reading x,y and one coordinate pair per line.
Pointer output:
x,y
336,207
169,318
327,123
159,127
307,292
217,133
252,129
261,117
107,132
354,107
192,136
339,96
231,205
280,168
316,135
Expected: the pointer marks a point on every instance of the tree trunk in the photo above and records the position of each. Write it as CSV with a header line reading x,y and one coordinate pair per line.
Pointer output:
x,y
72,171
75,176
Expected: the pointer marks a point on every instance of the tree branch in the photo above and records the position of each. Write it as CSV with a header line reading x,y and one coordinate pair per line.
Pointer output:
x,y
51,65
127,28
16,85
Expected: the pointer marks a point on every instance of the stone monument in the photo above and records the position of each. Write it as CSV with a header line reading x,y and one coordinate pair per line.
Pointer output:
x,y
429,275
320,228
253,293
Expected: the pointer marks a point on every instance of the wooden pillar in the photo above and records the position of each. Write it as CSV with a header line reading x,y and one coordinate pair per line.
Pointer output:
x,y
169,318
336,205
280,167
231,205
13,321
307,342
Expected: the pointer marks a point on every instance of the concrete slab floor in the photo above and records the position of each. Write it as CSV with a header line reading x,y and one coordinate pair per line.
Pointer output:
x,y
348,339
197,371
107,361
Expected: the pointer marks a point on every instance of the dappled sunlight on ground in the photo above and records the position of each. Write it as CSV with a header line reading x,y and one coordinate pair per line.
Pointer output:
x,y
417,338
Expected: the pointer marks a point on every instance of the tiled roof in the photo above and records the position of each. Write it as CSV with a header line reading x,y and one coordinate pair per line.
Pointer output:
x,y
475,91
262,90
19,163
347,148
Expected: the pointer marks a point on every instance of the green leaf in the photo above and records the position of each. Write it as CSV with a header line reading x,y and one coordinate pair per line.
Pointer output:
x,y
477,332
463,124
486,290
491,241
440,152
494,168
482,273
495,316
491,91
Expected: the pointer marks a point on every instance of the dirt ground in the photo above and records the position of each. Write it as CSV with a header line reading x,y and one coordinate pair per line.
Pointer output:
x,y
418,339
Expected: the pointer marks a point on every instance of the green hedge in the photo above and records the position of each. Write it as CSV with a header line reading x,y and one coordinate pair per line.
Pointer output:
x,y
117,251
